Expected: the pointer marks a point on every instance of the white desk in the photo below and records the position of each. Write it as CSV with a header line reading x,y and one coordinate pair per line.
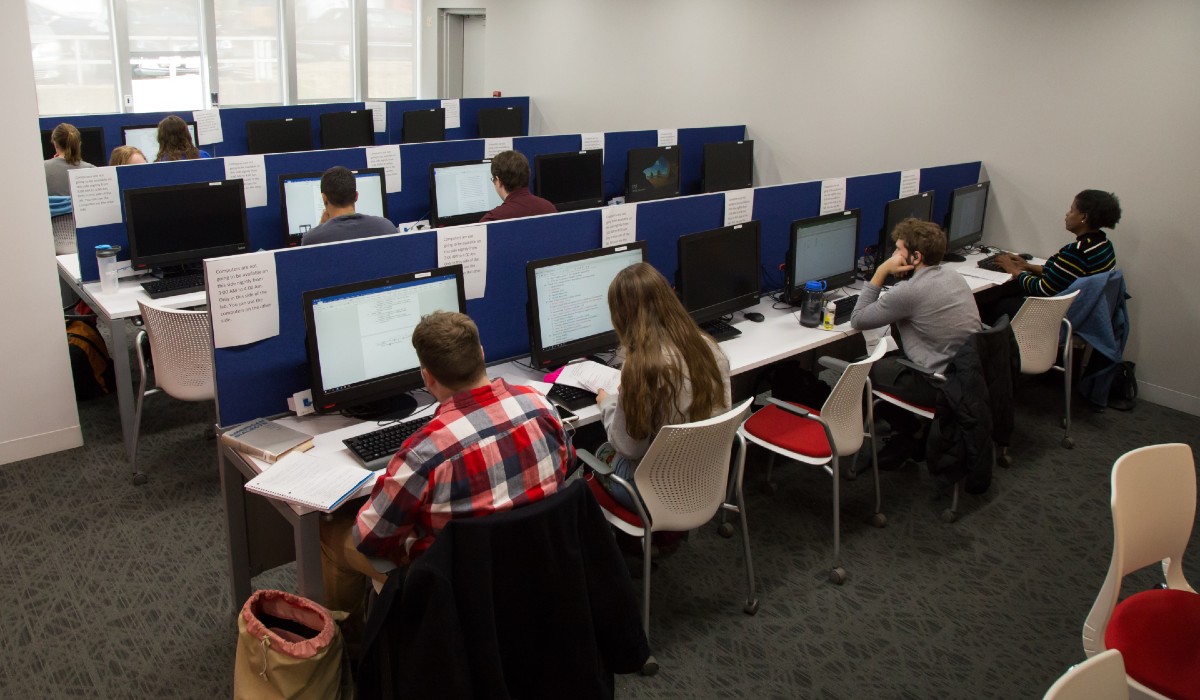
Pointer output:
x,y
117,312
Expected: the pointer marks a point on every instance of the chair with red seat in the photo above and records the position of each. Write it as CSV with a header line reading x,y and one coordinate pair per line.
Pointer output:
x,y
805,435
1157,631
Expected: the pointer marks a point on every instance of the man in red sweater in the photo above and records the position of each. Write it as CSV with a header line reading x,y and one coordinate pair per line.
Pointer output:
x,y
510,176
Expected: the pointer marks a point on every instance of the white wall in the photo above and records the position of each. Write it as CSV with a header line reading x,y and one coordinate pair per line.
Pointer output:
x,y
37,398
1053,97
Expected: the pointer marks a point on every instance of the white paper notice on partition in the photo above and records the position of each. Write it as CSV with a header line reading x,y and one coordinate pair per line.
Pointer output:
x,y
833,195
593,141
466,246
243,296
910,182
388,158
95,197
620,225
493,146
452,114
252,171
668,137
378,115
208,126
739,206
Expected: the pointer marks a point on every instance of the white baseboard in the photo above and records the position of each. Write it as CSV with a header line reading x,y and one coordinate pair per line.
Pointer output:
x,y
1169,398
37,445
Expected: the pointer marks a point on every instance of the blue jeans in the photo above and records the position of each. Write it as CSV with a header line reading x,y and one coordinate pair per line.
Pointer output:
x,y
621,467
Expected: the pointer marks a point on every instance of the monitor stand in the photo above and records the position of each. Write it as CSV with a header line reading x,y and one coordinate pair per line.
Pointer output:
x,y
393,408
168,271
953,257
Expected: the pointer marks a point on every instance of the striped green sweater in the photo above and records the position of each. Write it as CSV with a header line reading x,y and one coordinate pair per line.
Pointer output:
x,y
1091,253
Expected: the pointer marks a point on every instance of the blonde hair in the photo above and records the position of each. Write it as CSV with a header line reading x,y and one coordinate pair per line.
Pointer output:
x,y
121,155
68,142
175,141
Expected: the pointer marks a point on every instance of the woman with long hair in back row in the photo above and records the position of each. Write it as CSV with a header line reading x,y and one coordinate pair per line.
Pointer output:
x,y
68,155
175,141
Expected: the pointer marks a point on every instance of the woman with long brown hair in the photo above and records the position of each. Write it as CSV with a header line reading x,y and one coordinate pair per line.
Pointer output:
x,y
175,141
68,155
673,373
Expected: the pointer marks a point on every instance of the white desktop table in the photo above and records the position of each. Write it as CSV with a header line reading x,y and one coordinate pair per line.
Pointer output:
x,y
117,311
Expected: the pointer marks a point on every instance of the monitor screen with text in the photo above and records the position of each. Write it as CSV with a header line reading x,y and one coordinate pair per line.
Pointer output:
x,y
823,249
145,139
303,206
462,192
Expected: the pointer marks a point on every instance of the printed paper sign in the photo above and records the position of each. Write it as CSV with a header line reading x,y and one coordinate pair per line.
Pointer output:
x,y
243,297
378,115
668,137
388,158
466,245
910,182
833,195
452,113
95,196
619,225
493,146
208,126
739,206
252,171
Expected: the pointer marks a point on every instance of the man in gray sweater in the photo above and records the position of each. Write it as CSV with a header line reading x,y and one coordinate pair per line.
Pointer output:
x,y
934,312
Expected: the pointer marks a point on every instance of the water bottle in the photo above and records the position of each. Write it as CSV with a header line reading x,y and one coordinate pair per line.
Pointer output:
x,y
813,303
830,316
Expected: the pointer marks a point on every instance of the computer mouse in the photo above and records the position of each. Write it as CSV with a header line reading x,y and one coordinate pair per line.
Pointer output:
x,y
754,316
1026,256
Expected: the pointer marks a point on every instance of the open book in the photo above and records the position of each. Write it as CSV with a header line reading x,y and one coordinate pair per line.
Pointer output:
x,y
301,479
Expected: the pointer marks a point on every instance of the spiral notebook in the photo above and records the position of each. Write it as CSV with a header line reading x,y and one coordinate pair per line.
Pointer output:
x,y
301,479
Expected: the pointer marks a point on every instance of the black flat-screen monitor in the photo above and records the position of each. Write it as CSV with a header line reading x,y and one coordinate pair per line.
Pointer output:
x,y
823,249
652,173
279,135
178,225
423,125
359,336
91,146
352,129
461,193
719,271
570,180
498,122
145,138
727,166
568,302
964,222
300,200
918,206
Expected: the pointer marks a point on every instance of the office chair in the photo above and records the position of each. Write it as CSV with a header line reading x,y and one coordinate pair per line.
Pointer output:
x,y
1101,677
1036,326
805,435
181,346
1157,631
682,482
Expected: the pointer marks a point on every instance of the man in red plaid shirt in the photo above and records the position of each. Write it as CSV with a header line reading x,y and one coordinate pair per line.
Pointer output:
x,y
490,447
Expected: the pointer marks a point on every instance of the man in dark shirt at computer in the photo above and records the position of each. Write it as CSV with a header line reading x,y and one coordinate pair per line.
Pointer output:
x,y
510,177
340,221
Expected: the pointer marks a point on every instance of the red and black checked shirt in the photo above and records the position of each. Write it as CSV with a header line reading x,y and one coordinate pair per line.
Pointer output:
x,y
486,450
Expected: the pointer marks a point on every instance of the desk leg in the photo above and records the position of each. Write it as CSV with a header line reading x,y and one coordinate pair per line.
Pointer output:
x,y
120,327
234,494
308,557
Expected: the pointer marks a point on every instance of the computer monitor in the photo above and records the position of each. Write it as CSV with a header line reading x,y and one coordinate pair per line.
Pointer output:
x,y
964,222
279,135
570,180
719,271
91,146
652,173
352,129
727,166
145,138
497,122
359,339
461,192
823,249
180,225
423,125
568,302
918,206
300,200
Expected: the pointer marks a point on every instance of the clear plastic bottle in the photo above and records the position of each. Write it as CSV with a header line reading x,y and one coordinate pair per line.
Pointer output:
x,y
830,315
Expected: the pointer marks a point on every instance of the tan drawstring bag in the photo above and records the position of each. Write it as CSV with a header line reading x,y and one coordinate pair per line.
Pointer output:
x,y
290,647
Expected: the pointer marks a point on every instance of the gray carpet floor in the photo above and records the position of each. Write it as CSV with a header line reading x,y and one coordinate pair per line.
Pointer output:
x,y
117,591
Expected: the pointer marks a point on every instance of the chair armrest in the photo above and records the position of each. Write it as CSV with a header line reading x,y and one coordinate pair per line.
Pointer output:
x,y
833,363
593,462
790,407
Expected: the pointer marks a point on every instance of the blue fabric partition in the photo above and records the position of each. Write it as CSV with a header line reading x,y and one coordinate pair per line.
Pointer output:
x,y
415,159
468,114
255,380
691,144
616,145
944,180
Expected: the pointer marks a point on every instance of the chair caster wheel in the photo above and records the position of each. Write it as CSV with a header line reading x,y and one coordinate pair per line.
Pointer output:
x,y
650,667
751,607
1068,443
879,520
725,530
837,576
140,478
949,516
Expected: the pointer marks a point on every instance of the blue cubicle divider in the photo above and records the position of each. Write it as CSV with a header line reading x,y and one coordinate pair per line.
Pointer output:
x,y
468,121
255,380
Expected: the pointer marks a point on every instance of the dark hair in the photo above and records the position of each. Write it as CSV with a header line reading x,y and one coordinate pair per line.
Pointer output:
x,y
924,237
1102,209
67,140
447,345
339,186
175,141
512,169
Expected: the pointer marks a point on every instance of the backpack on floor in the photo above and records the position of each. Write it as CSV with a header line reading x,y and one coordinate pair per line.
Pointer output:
x,y
1124,391
91,367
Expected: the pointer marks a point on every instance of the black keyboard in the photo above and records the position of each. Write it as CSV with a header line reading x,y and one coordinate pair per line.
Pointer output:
x,y
844,307
375,449
171,286
719,330
571,397
989,263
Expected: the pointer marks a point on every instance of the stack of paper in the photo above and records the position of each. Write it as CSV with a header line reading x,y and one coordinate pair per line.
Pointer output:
x,y
301,479
590,375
